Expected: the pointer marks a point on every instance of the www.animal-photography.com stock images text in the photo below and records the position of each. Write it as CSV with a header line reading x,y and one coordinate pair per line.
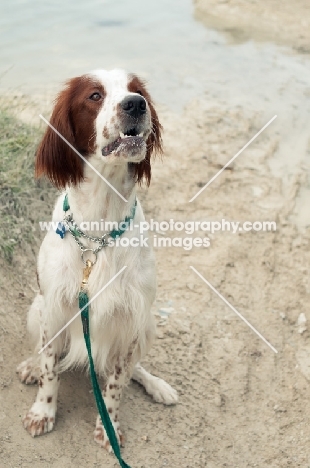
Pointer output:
x,y
154,234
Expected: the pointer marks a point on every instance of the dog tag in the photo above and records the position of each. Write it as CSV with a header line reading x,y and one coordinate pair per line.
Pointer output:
x,y
61,230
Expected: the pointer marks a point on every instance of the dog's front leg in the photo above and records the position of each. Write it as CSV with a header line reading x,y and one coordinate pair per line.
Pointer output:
x,y
112,393
41,416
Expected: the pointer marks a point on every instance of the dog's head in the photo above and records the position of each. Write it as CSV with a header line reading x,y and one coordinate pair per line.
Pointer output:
x,y
104,114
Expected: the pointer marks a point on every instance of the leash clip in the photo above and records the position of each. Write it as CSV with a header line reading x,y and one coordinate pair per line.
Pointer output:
x,y
86,273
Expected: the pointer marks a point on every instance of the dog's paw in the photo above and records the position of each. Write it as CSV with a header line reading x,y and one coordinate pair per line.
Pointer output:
x,y
100,436
39,420
28,373
161,391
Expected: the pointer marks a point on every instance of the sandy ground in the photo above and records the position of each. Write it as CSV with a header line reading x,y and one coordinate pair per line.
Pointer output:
x,y
241,405
286,22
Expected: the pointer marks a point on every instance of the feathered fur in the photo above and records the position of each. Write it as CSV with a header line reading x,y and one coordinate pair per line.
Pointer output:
x,y
91,113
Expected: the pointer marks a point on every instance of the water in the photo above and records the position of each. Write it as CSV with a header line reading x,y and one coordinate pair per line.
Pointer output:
x,y
44,43
47,42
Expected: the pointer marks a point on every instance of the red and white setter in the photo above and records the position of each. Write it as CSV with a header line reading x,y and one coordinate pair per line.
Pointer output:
x,y
109,118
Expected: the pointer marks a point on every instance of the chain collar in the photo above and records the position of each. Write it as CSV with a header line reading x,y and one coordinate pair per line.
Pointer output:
x,y
68,224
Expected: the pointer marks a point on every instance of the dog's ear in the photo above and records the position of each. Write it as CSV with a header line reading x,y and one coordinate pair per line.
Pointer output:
x,y
154,141
54,157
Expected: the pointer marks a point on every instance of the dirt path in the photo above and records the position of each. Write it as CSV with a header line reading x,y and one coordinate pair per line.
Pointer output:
x,y
241,405
285,22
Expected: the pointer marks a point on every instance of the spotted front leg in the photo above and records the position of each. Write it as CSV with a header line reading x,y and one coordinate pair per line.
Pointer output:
x,y
41,416
112,394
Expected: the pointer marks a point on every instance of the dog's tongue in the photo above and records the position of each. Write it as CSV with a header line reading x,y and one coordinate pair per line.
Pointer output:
x,y
128,144
111,147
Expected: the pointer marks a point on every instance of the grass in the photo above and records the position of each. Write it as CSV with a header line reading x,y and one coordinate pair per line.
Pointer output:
x,y
22,199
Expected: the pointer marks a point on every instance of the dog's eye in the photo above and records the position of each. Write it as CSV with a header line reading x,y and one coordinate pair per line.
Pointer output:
x,y
95,97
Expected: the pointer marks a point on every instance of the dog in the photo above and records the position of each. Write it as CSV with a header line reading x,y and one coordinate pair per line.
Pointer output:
x,y
109,119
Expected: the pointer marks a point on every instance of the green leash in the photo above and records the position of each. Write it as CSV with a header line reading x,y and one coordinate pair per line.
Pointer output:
x,y
83,306
104,415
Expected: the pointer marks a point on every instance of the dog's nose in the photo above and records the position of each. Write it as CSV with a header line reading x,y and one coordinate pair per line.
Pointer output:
x,y
134,105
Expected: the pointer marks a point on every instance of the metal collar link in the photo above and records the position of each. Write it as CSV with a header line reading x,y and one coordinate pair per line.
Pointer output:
x,y
76,233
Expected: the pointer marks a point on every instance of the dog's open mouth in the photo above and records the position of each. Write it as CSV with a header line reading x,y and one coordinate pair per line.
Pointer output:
x,y
126,142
